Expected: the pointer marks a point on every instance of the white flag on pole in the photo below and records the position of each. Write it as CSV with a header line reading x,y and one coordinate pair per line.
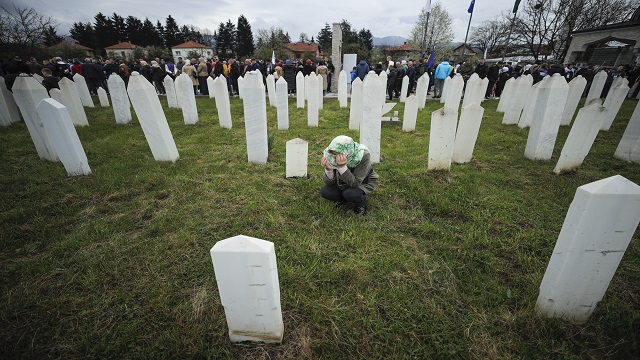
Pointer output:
x,y
428,6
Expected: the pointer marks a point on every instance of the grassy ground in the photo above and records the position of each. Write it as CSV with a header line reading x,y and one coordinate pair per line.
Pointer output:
x,y
444,265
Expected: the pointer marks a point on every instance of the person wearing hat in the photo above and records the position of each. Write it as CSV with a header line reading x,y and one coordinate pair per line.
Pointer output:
x,y
348,175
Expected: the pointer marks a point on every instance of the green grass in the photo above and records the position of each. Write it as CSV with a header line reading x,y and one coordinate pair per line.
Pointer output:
x,y
444,265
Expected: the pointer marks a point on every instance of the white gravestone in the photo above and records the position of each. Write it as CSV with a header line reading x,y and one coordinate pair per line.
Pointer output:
x,y
629,147
240,87
342,89
71,100
445,89
56,95
271,90
597,84
474,91
223,104
596,232
410,114
210,86
421,90
576,88
371,126
546,118
300,91
506,94
9,112
64,138
452,98
513,109
255,118
526,117
103,98
348,62
404,89
320,92
355,111
83,90
306,87
467,133
312,102
38,78
383,86
152,119
442,139
247,277
120,98
583,133
27,94
170,89
186,99
297,157
614,100
282,104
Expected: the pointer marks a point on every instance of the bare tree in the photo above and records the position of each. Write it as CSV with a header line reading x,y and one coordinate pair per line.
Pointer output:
x,y
491,34
439,30
22,28
304,38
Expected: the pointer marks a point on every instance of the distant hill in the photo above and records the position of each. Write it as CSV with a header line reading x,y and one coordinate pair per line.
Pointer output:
x,y
389,40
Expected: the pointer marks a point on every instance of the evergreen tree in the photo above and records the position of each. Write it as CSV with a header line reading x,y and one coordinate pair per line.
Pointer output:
x,y
147,33
365,38
83,33
51,37
119,28
225,38
325,37
103,32
134,30
172,35
244,38
159,38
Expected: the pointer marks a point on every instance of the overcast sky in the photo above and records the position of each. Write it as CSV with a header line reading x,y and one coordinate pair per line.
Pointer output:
x,y
383,18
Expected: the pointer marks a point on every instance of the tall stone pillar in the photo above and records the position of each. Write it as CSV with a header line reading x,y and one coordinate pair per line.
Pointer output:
x,y
336,54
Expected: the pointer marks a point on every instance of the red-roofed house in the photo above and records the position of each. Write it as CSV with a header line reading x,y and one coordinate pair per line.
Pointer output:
x,y
183,50
401,52
61,48
122,49
300,50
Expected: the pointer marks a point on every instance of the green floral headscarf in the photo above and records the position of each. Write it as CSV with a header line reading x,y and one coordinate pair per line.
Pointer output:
x,y
346,146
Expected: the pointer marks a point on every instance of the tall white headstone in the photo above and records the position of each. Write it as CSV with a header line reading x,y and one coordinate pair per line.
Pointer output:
x,y
38,78
120,98
223,104
152,119
526,117
576,88
83,90
28,93
474,91
445,89
255,118
186,99
297,157
247,277
271,90
355,111
454,93
371,127
306,88
505,97
312,102
629,147
320,92
597,84
170,89
467,133
64,138
102,96
410,114
283,104
383,86
404,89
614,100
210,86
241,87
71,100
515,103
300,90
422,88
9,112
583,133
442,138
348,62
552,96
594,237
342,89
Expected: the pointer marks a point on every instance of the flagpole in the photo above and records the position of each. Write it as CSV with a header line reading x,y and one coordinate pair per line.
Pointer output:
x,y
464,47
426,27
504,51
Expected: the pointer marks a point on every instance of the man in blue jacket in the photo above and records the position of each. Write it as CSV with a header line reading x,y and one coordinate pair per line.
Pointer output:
x,y
362,69
442,71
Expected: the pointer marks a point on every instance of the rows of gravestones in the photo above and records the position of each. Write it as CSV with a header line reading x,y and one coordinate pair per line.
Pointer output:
x,y
251,299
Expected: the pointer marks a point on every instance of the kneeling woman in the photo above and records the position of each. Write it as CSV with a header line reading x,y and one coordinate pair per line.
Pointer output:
x,y
348,174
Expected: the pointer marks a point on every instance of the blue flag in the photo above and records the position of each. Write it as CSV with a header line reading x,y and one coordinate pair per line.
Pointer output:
x,y
470,10
430,62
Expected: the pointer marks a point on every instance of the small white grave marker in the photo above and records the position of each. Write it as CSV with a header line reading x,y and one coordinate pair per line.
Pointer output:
x,y
283,104
404,89
596,232
410,114
102,96
255,118
629,147
312,102
454,93
342,89
83,90
467,133
71,100
300,82
371,126
474,91
614,100
421,90
516,102
210,86
64,138
186,99
576,88
241,87
271,90
170,88
442,138
597,84
223,105
247,277
120,98
9,112
297,157
505,96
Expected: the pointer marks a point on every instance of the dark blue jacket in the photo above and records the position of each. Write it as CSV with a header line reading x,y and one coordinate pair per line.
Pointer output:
x,y
362,69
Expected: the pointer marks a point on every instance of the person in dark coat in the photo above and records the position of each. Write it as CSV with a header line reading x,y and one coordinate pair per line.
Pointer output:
x,y
362,69
308,68
49,81
392,76
92,76
482,69
157,74
289,71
